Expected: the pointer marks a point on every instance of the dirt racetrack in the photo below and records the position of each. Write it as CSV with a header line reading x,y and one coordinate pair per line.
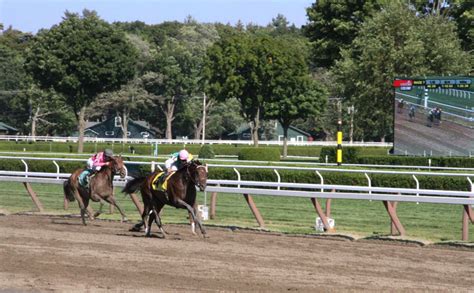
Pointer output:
x,y
55,253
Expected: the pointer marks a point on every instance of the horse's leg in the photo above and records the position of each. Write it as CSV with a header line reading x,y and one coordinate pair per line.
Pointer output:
x,y
149,223
193,214
191,220
157,210
84,211
100,209
81,204
111,200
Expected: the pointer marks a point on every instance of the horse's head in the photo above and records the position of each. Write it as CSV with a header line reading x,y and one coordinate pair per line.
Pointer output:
x,y
198,173
118,167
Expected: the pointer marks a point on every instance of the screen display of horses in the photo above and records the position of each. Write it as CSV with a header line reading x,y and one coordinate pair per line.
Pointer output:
x,y
434,116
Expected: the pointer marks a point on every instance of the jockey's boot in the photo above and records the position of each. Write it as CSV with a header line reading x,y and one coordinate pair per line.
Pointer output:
x,y
89,177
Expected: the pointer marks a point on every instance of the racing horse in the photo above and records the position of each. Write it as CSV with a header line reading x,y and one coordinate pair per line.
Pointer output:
x,y
180,193
411,113
100,188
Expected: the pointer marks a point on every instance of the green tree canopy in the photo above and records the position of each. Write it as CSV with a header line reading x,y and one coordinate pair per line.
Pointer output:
x,y
332,26
294,95
80,58
239,66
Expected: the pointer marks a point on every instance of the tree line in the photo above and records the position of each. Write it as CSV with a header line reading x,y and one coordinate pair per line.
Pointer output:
x,y
347,54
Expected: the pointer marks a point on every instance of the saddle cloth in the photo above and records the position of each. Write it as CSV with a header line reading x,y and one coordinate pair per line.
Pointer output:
x,y
156,181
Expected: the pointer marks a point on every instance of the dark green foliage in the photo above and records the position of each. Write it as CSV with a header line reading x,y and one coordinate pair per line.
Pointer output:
x,y
259,154
460,162
349,154
206,152
356,179
80,58
333,25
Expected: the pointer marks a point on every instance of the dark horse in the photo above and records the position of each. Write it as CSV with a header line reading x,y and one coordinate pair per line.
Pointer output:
x,y
100,187
180,193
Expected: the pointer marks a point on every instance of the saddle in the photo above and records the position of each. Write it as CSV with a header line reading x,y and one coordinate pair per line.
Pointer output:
x,y
160,182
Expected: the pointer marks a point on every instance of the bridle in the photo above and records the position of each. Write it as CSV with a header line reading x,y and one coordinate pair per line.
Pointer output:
x,y
193,178
116,170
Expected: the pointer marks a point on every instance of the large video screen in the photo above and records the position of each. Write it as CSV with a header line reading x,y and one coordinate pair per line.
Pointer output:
x,y
434,116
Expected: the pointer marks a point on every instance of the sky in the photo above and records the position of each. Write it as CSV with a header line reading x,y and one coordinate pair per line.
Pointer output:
x,y
31,15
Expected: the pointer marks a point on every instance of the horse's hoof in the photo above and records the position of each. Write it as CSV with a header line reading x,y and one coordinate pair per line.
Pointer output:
x,y
135,229
124,220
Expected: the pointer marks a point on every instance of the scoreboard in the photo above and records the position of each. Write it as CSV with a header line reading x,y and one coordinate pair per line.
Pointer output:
x,y
406,84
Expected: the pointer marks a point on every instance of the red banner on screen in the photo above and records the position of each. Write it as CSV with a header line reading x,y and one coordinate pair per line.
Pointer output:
x,y
402,82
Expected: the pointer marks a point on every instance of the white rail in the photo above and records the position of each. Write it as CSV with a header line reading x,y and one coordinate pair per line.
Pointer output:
x,y
288,189
179,141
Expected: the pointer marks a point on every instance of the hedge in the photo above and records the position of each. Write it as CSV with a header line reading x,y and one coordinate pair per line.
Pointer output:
x,y
259,154
380,180
296,176
206,152
459,162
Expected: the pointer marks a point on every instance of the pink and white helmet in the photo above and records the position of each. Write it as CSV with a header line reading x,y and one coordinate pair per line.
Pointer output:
x,y
183,155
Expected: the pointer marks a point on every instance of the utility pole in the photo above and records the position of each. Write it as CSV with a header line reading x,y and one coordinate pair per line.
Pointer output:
x,y
204,119
351,129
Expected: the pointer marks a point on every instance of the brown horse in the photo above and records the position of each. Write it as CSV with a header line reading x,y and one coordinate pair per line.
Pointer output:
x,y
180,193
100,187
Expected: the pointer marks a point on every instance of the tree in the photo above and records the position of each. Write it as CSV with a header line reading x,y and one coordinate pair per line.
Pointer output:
x,y
80,58
13,78
332,26
122,103
463,14
132,96
395,42
239,66
224,118
294,94
47,110
175,73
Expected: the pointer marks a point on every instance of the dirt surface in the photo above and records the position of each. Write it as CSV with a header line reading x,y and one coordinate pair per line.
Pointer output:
x,y
54,253
415,136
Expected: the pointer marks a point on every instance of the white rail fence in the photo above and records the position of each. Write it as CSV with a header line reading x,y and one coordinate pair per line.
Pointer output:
x,y
389,196
179,141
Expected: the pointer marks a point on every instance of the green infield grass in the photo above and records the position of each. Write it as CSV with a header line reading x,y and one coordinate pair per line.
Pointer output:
x,y
362,218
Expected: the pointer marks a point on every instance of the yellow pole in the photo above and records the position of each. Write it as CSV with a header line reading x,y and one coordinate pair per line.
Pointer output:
x,y
339,143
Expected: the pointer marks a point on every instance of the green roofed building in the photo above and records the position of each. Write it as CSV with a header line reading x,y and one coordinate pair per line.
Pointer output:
x,y
6,129
270,133
111,128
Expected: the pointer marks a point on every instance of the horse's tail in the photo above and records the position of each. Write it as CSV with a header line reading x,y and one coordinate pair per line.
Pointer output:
x,y
68,191
133,185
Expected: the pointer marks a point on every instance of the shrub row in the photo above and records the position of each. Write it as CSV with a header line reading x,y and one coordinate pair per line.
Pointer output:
x,y
353,155
380,180
296,176
459,162
146,149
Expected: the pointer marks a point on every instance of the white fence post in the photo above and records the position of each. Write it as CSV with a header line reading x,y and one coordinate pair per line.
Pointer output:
x,y
279,178
57,169
238,177
322,179
417,185
26,167
370,182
